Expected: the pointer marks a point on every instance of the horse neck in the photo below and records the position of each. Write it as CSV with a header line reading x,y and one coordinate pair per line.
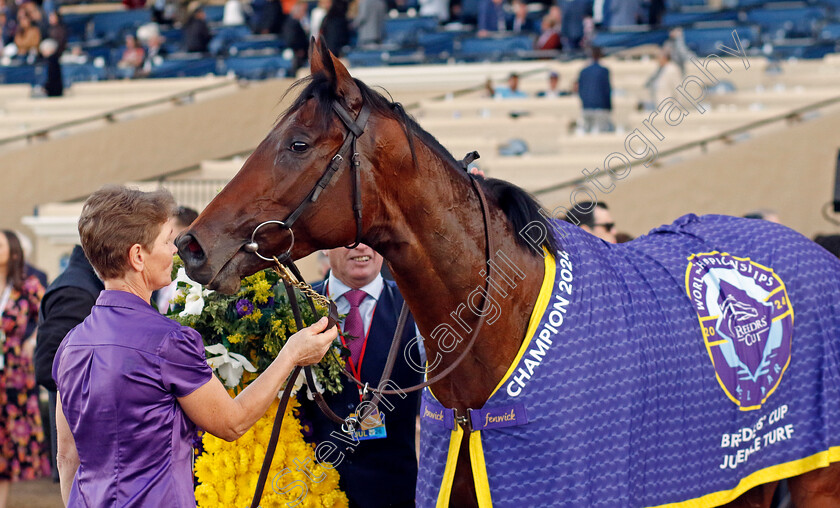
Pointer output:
x,y
431,233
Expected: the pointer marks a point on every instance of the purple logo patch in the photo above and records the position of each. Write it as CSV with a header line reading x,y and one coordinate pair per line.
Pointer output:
x,y
747,323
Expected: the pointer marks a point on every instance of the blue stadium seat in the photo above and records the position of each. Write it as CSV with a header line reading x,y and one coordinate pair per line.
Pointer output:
x,y
403,31
629,39
704,41
74,73
477,49
184,68
112,25
691,17
76,26
830,32
438,44
214,13
19,74
783,23
257,43
366,58
225,36
257,67
807,50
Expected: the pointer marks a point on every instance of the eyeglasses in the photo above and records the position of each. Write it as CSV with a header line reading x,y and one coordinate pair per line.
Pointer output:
x,y
609,226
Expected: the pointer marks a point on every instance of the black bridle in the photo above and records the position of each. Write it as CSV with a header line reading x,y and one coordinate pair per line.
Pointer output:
x,y
347,151
355,129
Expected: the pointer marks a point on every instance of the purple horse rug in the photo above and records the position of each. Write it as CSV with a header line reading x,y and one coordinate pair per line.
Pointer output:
x,y
680,369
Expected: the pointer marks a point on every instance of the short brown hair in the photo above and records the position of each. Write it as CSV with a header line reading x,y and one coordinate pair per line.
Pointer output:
x,y
114,218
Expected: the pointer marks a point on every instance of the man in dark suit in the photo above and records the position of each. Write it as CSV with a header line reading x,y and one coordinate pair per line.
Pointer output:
x,y
595,92
66,303
377,472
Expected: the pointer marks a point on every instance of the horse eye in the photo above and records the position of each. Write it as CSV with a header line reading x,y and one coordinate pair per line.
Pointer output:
x,y
299,146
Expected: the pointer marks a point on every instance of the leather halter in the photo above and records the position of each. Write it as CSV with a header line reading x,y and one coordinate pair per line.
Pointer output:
x,y
355,128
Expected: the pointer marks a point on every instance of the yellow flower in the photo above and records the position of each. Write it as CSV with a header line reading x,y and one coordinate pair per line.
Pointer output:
x,y
235,338
254,316
262,291
228,471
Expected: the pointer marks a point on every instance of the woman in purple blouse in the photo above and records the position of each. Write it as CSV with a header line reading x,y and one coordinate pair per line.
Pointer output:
x,y
133,385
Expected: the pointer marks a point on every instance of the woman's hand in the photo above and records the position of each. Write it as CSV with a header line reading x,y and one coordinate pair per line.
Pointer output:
x,y
309,345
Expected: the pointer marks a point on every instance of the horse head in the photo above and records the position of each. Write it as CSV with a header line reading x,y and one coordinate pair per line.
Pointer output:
x,y
309,151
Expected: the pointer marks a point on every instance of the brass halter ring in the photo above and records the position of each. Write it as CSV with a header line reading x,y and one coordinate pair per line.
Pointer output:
x,y
253,246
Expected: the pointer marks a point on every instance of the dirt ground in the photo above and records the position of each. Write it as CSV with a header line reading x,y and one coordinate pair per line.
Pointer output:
x,y
35,494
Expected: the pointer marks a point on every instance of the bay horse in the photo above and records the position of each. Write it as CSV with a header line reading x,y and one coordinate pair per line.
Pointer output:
x,y
420,211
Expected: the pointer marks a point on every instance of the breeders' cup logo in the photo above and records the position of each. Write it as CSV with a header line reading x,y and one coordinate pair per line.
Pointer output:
x,y
747,323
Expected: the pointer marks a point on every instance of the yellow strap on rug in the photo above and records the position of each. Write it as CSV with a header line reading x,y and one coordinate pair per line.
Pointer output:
x,y
449,471
479,470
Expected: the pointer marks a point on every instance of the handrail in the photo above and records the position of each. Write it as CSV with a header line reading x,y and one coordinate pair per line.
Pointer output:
x,y
724,136
109,115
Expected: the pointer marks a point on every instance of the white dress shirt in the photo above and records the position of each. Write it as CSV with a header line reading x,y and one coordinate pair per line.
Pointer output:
x,y
373,289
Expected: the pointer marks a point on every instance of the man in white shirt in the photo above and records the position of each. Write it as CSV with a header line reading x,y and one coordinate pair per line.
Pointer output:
x,y
376,472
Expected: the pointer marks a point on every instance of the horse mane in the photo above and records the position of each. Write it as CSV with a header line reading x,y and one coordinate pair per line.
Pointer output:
x,y
520,207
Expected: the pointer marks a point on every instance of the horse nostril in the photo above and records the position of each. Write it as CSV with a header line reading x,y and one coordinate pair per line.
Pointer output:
x,y
189,249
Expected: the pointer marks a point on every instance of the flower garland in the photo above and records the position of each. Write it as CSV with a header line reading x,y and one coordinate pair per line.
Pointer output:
x,y
228,472
243,333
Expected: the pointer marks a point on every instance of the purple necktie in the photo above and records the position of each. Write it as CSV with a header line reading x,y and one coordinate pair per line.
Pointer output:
x,y
353,324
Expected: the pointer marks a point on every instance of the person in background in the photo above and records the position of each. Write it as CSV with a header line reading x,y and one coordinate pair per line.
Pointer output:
x,y
553,90
656,10
132,57
335,28
678,49
369,22
623,13
831,243
270,20
27,36
572,15
664,82
491,17
594,218
595,91
7,28
234,13
372,306
316,17
764,214
196,31
54,84
57,31
435,8
520,21
22,448
66,303
295,36
133,386
549,35
511,91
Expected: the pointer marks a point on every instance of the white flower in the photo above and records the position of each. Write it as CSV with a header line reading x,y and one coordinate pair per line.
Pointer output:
x,y
193,303
230,366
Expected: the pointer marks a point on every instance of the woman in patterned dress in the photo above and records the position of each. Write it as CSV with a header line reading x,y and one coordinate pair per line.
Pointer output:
x,y
22,450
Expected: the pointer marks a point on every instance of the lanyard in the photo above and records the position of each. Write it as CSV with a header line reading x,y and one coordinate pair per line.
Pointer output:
x,y
356,370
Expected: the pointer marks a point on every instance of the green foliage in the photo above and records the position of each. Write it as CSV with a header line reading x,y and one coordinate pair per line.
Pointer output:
x,y
256,322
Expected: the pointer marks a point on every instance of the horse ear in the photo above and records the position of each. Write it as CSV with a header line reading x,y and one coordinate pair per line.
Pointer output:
x,y
319,58
345,86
